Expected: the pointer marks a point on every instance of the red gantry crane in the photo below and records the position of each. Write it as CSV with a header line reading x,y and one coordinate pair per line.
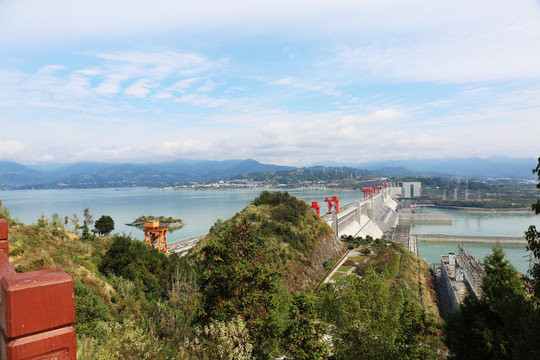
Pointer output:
x,y
155,236
315,206
334,202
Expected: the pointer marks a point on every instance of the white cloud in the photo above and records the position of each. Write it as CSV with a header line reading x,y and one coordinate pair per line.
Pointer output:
x,y
162,96
140,89
378,117
10,149
185,148
183,85
305,85
65,19
50,69
135,74
158,65
201,100
108,87
207,87
504,49
90,72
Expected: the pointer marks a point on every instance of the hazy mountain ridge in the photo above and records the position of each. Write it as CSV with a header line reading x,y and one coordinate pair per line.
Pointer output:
x,y
94,174
86,175
494,167
13,174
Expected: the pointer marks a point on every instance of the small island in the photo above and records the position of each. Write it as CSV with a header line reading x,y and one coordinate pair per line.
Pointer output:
x,y
167,222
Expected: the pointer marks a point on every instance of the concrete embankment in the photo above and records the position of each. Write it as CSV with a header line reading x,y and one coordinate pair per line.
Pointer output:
x,y
470,239
181,247
478,210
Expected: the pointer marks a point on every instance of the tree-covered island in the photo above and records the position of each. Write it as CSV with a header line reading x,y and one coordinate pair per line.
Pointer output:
x,y
168,222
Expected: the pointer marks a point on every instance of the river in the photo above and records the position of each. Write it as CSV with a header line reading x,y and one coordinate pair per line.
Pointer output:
x,y
201,208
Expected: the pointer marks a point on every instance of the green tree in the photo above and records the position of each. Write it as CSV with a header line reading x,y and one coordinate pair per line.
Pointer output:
x,y
75,222
147,268
88,218
105,224
4,212
304,335
502,281
87,222
533,243
238,281
366,315
89,310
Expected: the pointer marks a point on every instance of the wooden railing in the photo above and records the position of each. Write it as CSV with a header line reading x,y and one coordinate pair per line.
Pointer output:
x,y
37,311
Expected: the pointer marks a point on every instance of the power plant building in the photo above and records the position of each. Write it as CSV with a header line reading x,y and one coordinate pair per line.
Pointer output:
x,y
411,189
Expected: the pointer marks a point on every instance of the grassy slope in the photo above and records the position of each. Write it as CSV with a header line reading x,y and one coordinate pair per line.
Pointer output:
x,y
41,247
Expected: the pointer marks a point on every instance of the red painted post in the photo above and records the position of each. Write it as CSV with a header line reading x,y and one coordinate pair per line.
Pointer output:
x,y
37,311
4,246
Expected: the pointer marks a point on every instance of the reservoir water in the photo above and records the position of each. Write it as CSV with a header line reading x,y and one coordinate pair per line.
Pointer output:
x,y
201,208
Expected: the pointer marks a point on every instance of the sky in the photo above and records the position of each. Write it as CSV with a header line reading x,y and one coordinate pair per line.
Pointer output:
x,y
283,82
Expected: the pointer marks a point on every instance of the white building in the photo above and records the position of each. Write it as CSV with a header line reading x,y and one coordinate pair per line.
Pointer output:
x,y
411,189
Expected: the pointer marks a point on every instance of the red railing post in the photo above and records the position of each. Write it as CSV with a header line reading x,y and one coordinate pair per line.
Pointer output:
x,y
37,311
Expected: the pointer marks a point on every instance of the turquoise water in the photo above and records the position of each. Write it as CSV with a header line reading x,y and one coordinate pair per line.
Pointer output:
x,y
465,223
201,208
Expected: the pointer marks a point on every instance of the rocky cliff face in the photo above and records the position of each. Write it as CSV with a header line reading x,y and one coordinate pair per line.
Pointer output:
x,y
307,274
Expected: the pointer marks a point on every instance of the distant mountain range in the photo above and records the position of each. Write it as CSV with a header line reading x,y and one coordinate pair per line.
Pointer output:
x,y
491,167
92,174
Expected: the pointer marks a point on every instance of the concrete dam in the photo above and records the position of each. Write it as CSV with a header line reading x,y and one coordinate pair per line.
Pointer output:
x,y
371,216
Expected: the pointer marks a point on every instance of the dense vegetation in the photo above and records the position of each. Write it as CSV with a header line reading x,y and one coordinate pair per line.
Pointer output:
x,y
375,321
503,324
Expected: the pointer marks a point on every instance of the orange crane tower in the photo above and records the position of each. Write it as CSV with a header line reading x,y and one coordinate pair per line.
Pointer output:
x,y
154,235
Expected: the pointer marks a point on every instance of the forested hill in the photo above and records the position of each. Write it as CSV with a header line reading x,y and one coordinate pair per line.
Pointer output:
x,y
298,243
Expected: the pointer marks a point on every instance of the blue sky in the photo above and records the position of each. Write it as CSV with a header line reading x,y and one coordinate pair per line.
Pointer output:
x,y
285,82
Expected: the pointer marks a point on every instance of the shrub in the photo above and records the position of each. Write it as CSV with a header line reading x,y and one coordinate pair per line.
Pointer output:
x,y
89,311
